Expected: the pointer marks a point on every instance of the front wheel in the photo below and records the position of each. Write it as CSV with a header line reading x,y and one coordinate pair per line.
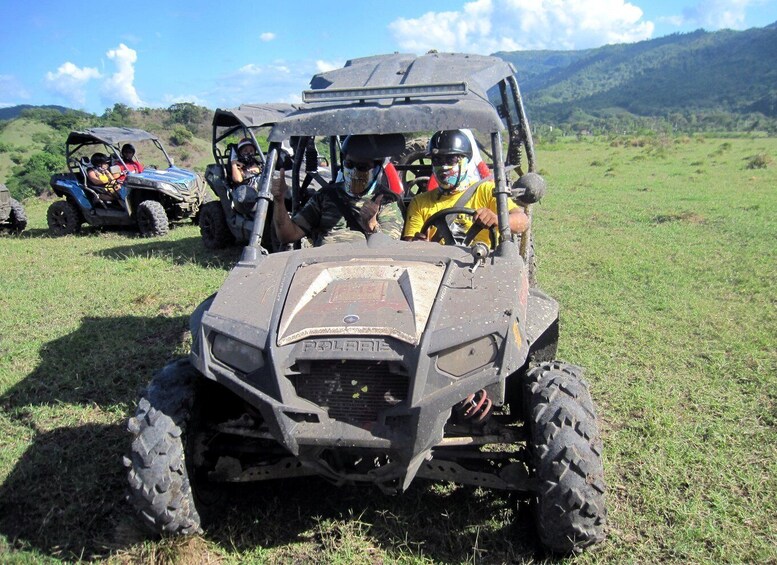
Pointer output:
x,y
213,226
159,486
208,197
63,218
152,219
566,456
17,219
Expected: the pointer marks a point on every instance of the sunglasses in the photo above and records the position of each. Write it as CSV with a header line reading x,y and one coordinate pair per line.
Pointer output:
x,y
446,159
360,166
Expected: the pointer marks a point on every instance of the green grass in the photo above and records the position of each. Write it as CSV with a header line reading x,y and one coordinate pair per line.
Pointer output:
x,y
663,255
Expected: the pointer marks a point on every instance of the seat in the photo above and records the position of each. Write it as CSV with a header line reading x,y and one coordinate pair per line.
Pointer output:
x,y
78,168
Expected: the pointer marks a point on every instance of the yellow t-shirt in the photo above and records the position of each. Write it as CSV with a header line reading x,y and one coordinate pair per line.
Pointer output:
x,y
108,183
424,205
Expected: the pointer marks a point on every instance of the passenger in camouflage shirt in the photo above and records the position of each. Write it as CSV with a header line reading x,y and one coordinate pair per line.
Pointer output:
x,y
345,211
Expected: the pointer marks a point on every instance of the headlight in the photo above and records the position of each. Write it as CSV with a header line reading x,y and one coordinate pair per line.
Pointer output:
x,y
236,354
463,359
168,188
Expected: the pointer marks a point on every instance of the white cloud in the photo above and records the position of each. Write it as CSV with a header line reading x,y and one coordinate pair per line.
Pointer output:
x,y
249,70
486,26
275,81
717,14
170,99
267,36
324,66
119,87
70,82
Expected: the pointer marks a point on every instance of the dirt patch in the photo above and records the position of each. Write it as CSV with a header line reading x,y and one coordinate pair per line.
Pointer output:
x,y
688,217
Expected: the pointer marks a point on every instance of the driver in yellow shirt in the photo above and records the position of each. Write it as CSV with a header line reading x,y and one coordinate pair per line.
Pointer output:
x,y
451,155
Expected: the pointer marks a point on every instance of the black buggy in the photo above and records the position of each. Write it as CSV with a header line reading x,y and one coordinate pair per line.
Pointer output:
x,y
12,215
387,361
227,221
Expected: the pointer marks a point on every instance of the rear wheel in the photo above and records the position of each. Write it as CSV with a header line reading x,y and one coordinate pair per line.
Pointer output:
x,y
159,485
566,456
18,218
213,226
414,154
152,219
63,218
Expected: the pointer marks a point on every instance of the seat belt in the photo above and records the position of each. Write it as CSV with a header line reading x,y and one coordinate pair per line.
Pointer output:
x,y
462,201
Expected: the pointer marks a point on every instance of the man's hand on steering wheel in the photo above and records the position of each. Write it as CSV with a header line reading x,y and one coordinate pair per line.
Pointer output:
x,y
438,220
485,217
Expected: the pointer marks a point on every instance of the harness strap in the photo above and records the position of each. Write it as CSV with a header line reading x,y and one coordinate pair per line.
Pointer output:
x,y
462,201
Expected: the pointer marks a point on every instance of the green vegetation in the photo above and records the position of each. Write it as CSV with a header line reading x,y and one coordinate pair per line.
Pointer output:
x,y
692,82
32,178
180,135
661,252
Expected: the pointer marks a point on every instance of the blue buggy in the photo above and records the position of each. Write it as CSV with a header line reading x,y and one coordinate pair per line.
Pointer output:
x,y
151,199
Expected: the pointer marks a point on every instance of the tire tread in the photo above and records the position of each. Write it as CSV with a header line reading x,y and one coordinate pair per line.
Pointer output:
x,y
158,482
565,449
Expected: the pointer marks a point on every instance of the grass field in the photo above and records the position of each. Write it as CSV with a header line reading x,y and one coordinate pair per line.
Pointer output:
x,y
663,255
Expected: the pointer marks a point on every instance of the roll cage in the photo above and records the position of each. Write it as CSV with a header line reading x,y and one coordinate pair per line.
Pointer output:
x,y
111,138
244,121
406,94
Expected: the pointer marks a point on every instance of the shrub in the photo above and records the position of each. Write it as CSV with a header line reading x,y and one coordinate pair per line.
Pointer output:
x,y
32,179
41,137
760,161
180,135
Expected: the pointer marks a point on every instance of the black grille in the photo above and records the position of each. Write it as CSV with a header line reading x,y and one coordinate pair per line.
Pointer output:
x,y
352,391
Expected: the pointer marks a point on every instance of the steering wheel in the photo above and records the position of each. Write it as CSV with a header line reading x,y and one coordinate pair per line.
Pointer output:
x,y
439,221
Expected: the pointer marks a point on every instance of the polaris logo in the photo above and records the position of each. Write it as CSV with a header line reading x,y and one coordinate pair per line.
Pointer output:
x,y
346,345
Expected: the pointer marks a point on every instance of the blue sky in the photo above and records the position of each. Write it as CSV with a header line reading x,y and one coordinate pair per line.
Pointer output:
x,y
221,54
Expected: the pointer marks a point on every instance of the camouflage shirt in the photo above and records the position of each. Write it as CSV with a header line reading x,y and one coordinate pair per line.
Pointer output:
x,y
322,220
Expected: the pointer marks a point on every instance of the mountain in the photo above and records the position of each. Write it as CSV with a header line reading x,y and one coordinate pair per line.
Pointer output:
x,y
11,112
696,73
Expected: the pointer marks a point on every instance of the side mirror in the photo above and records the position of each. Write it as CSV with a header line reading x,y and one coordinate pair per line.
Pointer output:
x,y
528,189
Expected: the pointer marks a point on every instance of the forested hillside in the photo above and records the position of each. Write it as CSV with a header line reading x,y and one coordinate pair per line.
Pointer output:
x,y
695,81
11,112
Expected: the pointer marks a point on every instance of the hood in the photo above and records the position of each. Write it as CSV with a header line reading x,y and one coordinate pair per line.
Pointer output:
x,y
181,179
362,297
173,175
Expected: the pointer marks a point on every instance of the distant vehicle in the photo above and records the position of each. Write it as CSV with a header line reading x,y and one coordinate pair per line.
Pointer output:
x,y
224,222
12,216
151,200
